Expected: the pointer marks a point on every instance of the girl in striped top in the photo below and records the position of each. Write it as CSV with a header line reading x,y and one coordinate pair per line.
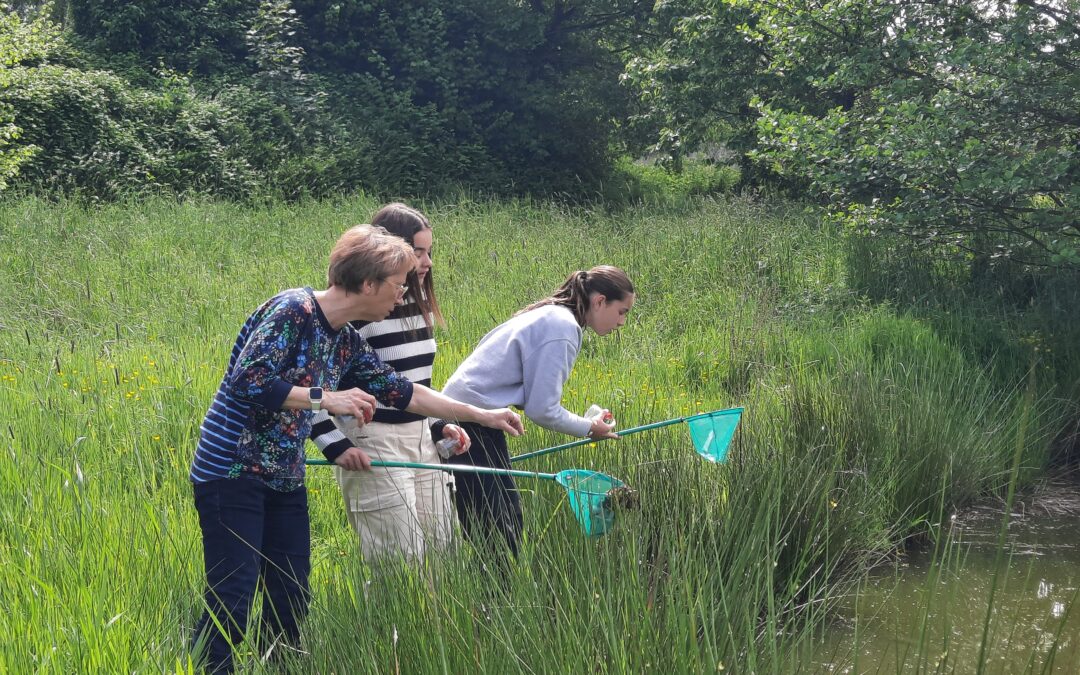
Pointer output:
x,y
399,512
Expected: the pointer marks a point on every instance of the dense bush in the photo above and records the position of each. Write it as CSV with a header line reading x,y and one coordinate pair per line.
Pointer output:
x,y
648,183
19,42
534,86
93,133
300,98
189,35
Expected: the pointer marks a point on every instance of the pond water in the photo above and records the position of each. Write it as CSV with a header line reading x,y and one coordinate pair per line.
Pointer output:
x,y
927,615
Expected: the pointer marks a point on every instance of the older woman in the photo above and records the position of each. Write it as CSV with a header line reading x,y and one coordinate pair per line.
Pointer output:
x,y
295,355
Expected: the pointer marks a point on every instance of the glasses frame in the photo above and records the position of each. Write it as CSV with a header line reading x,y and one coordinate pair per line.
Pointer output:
x,y
402,289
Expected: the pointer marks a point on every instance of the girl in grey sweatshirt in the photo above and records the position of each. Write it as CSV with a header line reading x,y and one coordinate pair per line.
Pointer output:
x,y
525,362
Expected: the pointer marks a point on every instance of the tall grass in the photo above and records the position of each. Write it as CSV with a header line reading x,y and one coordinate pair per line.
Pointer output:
x,y
861,419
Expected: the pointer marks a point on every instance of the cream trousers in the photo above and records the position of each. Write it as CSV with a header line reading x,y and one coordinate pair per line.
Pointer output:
x,y
397,511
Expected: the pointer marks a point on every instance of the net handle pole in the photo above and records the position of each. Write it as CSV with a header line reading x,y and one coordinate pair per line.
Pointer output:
x,y
586,441
449,468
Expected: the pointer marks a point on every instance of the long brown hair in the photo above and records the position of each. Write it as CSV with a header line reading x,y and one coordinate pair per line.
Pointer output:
x,y
405,221
607,280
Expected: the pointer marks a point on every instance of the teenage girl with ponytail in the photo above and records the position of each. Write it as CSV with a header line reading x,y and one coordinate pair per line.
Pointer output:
x,y
525,362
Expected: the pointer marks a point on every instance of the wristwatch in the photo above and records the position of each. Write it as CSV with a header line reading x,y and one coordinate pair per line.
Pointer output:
x,y
314,395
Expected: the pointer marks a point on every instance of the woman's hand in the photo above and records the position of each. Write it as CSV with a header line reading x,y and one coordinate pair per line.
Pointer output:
x,y
355,402
502,418
456,433
354,459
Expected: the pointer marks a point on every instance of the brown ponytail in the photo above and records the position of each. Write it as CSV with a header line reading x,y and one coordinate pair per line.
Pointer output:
x,y
606,280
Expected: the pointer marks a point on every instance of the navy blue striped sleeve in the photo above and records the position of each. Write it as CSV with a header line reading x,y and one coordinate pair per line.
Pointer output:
x,y
269,340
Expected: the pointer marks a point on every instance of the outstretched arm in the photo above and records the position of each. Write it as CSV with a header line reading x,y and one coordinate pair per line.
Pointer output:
x,y
426,401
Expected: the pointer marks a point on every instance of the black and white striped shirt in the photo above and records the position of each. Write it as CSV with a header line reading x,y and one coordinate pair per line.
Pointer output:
x,y
406,343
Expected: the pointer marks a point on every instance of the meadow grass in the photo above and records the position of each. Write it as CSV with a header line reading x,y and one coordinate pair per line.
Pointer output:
x,y
863,420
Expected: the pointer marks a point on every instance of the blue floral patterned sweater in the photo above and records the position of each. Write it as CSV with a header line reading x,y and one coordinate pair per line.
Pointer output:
x,y
286,342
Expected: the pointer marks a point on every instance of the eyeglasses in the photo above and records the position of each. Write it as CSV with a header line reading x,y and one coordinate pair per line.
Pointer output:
x,y
401,288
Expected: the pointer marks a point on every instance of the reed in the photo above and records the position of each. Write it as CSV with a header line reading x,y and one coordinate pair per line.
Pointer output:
x,y
862,419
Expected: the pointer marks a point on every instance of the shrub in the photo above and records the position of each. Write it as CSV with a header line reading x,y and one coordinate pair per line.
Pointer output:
x,y
648,183
96,134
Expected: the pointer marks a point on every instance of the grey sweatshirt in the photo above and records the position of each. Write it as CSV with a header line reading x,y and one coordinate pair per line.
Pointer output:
x,y
525,362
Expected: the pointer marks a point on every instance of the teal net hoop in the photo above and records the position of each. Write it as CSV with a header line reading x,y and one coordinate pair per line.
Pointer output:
x,y
588,495
712,432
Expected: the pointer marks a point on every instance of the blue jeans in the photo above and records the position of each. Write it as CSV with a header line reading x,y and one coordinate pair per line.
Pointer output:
x,y
254,537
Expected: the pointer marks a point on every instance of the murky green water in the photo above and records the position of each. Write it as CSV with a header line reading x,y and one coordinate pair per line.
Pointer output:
x,y
929,616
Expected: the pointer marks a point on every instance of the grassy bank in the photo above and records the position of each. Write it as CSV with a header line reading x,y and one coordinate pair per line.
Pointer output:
x,y
867,407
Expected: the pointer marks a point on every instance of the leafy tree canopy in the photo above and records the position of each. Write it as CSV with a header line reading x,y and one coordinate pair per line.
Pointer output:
x,y
960,126
503,95
953,123
20,42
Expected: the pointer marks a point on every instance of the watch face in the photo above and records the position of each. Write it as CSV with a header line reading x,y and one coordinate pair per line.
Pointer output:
x,y
315,393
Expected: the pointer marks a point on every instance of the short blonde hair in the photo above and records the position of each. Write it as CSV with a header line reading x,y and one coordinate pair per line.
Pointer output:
x,y
366,252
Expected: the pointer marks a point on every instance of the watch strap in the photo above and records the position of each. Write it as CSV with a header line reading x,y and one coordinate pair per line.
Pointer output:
x,y
315,396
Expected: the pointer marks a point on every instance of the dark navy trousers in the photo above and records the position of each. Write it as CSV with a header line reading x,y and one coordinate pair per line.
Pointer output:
x,y
255,539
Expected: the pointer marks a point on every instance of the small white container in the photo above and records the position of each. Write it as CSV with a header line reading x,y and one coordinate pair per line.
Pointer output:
x,y
596,412
447,447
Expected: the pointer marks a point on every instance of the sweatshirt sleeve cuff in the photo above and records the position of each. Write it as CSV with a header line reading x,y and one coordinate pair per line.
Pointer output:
x,y
437,429
584,428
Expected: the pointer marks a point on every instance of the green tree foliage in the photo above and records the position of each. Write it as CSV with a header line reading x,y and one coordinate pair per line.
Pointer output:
x,y
97,135
72,129
200,36
959,124
500,96
20,42
695,83
528,90
698,77
953,123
